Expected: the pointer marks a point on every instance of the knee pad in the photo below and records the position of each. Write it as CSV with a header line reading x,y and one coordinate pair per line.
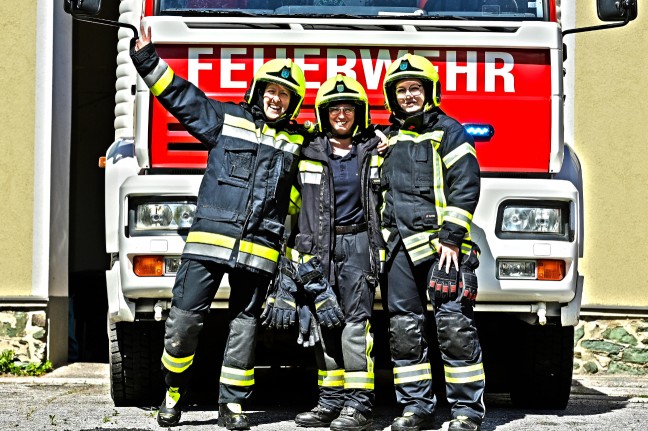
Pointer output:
x,y
241,342
457,336
406,337
357,344
182,329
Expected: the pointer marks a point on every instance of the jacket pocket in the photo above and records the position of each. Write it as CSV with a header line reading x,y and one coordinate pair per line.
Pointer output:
x,y
240,157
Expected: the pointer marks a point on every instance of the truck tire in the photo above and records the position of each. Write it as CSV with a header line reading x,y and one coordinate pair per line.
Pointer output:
x,y
546,358
135,373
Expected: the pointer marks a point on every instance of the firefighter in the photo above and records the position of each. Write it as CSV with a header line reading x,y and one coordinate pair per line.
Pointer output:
x,y
430,180
243,200
339,229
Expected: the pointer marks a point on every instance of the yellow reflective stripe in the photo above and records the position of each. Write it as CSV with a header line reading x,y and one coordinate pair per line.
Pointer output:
x,y
458,216
246,130
295,201
369,342
259,250
330,378
162,83
466,247
454,155
211,238
439,194
418,239
173,394
382,254
469,374
236,377
310,172
412,373
405,135
420,253
176,365
359,380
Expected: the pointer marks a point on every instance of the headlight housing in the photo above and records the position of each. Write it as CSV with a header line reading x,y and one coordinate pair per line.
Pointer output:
x,y
157,217
534,219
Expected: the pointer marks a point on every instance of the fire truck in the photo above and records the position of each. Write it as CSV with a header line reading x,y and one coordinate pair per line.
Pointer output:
x,y
501,65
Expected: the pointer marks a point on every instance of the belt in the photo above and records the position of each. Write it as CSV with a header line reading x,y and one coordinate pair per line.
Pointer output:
x,y
352,228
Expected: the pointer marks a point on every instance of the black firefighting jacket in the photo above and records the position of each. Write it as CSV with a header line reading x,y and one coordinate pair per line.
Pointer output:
x,y
244,194
430,177
315,199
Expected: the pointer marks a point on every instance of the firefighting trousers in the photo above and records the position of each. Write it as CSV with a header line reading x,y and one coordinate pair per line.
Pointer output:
x,y
344,356
196,285
404,296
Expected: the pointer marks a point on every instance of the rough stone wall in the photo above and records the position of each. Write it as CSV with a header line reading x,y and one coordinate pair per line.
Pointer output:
x,y
24,332
611,346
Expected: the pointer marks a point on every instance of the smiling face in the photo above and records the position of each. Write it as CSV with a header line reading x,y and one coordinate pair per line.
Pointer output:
x,y
410,95
342,118
276,99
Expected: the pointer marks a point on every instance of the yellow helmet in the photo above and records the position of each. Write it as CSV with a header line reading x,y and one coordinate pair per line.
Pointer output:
x,y
284,72
412,66
337,90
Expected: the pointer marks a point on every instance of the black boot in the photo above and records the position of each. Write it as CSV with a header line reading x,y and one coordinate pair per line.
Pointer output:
x,y
231,417
411,422
320,416
169,412
463,423
351,419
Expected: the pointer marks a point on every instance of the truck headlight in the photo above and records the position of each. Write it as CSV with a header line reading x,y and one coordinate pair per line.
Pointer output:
x,y
148,217
534,219
529,219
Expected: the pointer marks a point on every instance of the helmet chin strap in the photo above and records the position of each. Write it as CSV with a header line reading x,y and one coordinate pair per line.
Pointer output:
x,y
340,136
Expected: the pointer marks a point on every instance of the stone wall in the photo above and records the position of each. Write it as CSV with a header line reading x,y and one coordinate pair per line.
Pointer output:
x,y
24,332
611,346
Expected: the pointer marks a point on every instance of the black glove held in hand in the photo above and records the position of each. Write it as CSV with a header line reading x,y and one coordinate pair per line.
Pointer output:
x,y
281,308
319,289
308,329
442,285
467,277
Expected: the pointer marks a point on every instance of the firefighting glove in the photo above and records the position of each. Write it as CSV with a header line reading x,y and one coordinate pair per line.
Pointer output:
x,y
308,329
319,289
281,307
442,285
467,277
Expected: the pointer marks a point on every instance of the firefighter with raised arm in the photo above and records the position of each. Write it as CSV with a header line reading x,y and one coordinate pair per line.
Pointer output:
x,y
243,200
338,244
430,180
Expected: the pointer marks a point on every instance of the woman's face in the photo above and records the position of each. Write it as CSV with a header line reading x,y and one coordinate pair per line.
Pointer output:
x,y
276,100
410,95
342,117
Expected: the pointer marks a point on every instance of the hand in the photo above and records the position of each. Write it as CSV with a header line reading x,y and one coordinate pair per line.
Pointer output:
x,y
144,39
442,284
308,328
317,287
384,143
448,254
281,307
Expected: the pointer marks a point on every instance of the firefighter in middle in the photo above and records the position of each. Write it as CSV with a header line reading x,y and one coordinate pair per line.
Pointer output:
x,y
339,230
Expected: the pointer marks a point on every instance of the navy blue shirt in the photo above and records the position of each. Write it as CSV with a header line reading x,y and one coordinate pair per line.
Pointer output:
x,y
346,184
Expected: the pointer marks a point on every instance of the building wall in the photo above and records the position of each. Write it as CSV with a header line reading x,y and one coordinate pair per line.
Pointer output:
x,y
610,116
17,119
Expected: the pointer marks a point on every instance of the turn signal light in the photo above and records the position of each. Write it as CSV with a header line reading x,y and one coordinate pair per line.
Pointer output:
x,y
551,270
148,266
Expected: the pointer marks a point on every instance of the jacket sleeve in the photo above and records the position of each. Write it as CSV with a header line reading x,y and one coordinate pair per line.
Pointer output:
x,y
462,183
201,116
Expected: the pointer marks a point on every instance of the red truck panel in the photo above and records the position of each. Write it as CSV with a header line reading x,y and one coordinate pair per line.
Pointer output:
x,y
510,90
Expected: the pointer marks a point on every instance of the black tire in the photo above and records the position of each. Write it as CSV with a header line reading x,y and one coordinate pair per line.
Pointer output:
x,y
135,373
544,374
